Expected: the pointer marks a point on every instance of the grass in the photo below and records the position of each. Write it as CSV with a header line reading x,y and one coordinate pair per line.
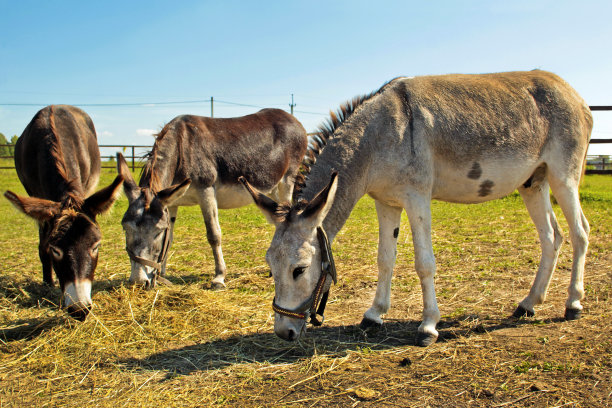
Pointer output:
x,y
186,345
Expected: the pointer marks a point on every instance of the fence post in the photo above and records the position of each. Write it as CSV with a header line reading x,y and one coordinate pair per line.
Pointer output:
x,y
133,160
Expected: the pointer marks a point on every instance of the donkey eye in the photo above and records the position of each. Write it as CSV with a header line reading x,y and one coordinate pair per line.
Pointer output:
x,y
298,271
56,252
94,250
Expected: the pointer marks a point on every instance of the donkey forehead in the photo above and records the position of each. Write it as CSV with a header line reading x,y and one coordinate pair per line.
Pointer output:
x,y
141,214
75,227
290,246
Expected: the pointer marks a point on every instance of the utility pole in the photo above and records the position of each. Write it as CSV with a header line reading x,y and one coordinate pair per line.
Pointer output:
x,y
212,110
291,105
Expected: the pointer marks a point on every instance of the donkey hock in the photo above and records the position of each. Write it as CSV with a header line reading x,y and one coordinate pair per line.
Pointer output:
x,y
197,161
457,138
58,162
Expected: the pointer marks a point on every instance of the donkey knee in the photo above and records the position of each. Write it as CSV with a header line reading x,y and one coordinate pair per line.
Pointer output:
x,y
425,267
213,237
580,242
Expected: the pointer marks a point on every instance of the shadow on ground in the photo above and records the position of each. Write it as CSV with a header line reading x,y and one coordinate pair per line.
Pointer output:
x,y
330,340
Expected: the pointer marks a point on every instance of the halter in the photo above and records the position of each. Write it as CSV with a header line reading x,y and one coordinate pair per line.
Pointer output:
x,y
309,307
161,259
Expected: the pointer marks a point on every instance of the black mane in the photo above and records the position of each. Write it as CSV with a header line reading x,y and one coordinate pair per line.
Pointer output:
x,y
326,131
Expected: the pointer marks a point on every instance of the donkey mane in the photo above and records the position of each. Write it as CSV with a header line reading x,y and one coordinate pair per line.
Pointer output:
x,y
148,176
325,132
74,194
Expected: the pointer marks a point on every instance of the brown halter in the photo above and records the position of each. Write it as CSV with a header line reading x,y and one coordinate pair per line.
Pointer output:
x,y
309,307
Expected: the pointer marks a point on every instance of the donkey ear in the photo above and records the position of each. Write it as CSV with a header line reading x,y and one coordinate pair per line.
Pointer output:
x,y
169,195
103,200
317,209
37,208
129,185
267,205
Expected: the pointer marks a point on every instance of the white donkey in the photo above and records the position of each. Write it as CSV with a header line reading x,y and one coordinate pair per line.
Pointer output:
x,y
457,138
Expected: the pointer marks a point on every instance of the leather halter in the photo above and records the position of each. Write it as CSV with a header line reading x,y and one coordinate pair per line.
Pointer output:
x,y
309,307
161,259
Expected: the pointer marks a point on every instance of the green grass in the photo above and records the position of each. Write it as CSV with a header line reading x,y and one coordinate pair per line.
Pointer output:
x,y
186,345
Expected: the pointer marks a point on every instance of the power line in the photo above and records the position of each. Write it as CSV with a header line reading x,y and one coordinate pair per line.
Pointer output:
x,y
145,104
162,103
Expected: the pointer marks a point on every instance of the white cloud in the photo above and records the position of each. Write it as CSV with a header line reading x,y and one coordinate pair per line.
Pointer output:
x,y
145,132
105,133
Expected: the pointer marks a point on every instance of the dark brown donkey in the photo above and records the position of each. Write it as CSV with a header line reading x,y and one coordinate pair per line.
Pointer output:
x,y
197,161
58,162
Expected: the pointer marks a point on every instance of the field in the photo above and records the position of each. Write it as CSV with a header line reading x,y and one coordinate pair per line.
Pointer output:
x,y
185,345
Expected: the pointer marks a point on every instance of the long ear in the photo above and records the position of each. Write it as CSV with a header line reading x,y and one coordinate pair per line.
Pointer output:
x,y
37,208
103,200
317,209
267,205
169,195
129,185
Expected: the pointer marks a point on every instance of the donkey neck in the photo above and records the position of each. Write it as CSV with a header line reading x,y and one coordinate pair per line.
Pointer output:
x,y
343,153
161,168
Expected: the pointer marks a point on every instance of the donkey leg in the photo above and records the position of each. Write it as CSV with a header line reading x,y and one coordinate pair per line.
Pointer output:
x,y
208,205
537,200
45,259
388,228
419,214
566,192
172,212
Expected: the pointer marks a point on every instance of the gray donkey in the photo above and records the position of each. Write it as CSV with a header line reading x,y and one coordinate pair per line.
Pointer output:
x,y
457,138
197,161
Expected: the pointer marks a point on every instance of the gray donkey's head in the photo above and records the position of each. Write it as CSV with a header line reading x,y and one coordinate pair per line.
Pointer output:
x,y
147,225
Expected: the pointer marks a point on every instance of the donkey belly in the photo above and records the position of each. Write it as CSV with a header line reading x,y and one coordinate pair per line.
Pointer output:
x,y
477,182
232,196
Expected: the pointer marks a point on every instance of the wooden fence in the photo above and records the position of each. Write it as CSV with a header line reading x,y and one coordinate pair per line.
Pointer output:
x,y
133,155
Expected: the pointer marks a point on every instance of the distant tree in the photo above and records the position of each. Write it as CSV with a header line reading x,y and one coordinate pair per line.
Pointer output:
x,y
4,150
13,142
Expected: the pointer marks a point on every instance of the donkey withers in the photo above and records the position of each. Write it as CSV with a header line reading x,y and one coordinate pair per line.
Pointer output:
x,y
58,162
457,138
197,161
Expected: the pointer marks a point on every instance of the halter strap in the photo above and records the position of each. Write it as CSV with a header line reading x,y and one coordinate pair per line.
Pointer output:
x,y
161,259
308,308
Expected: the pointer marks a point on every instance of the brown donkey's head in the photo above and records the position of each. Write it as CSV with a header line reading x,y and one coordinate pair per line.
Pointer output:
x,y
70,236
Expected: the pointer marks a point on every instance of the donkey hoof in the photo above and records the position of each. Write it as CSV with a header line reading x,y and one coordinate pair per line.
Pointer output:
x,y
425,339
369,325
573,314
217,286
522,312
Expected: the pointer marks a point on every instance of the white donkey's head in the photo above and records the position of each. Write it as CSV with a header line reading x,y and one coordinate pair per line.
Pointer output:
x,y
299,258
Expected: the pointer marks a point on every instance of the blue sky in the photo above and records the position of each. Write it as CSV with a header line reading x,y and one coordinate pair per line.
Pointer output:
x,y
259,53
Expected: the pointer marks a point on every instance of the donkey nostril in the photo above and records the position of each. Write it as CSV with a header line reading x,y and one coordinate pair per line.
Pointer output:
x,y
291,335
